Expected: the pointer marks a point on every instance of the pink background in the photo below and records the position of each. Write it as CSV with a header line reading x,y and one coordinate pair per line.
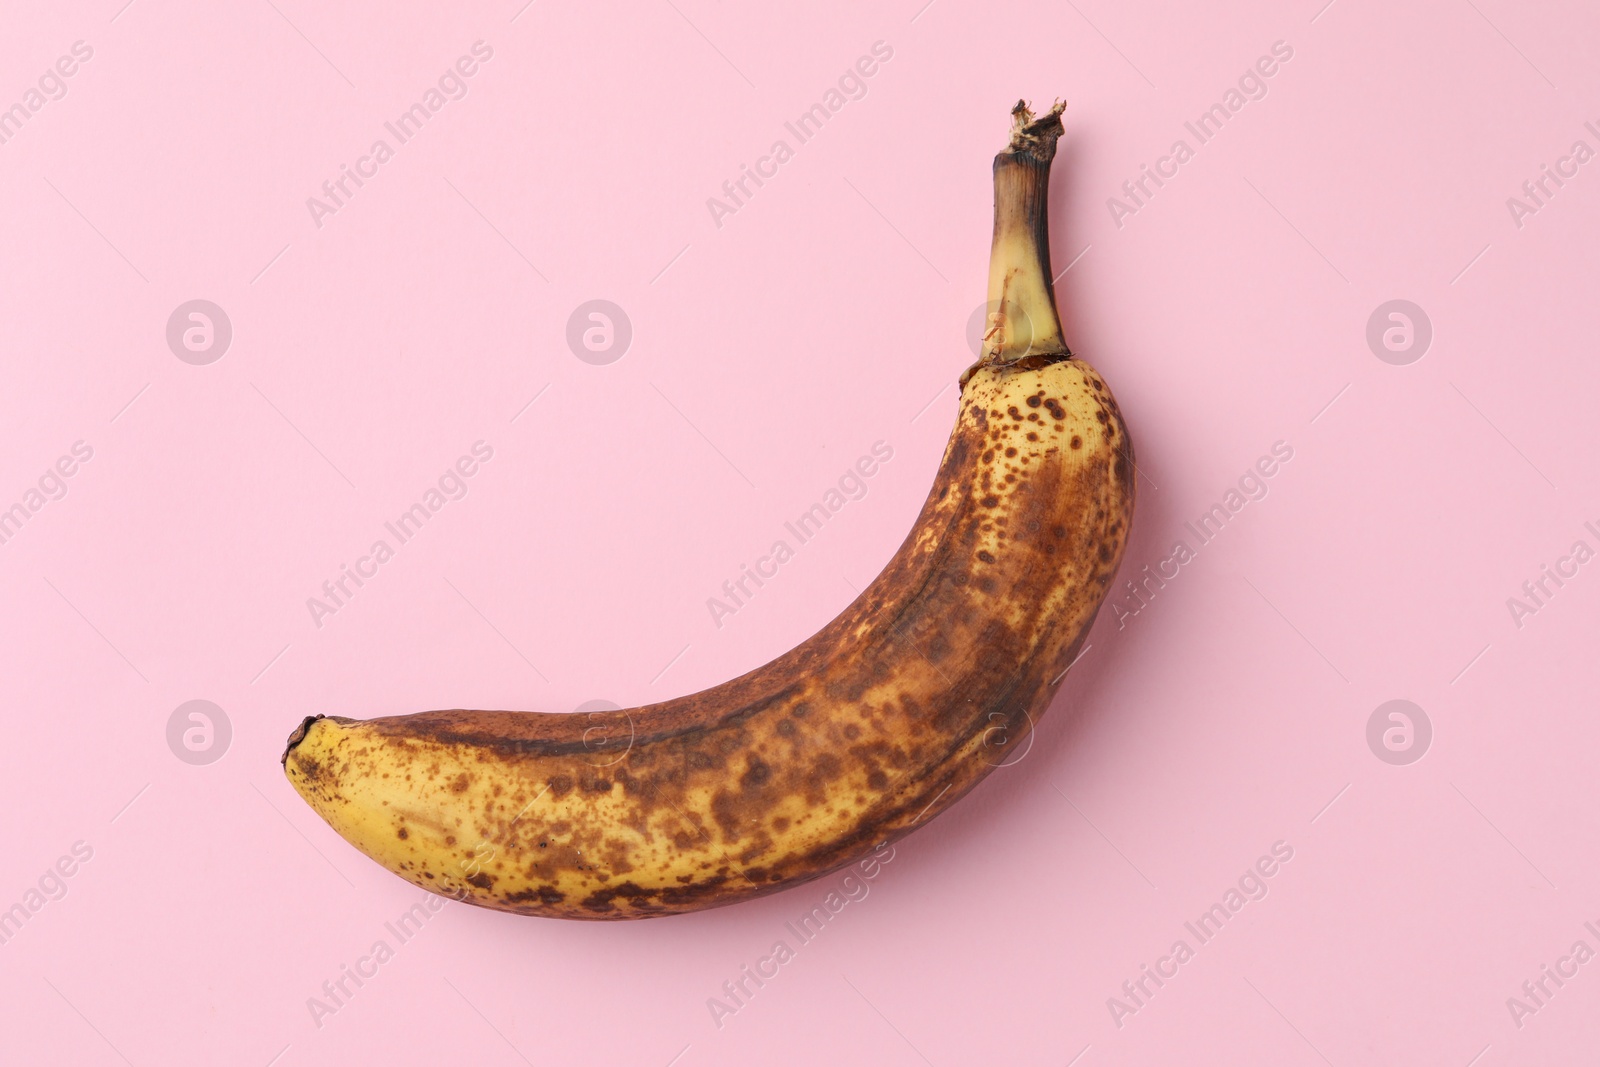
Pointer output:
x,y
768,354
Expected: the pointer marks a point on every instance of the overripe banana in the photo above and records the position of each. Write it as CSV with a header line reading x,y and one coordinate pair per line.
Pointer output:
x,y
870,728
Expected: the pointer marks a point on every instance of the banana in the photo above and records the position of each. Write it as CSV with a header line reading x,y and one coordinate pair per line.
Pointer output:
x,y
870,728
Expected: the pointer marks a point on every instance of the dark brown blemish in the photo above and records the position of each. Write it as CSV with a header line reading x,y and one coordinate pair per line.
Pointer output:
x,y
727,810
755,775
824,769
544,894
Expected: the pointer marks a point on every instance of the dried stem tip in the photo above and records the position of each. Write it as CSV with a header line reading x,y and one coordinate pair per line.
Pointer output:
x,y
1022,319
1035,137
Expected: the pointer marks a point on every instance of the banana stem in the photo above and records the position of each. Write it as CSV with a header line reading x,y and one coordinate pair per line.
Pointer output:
x,y
1022,304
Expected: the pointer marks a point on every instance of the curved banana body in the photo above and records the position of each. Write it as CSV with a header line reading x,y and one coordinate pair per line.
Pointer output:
x,y
884,718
